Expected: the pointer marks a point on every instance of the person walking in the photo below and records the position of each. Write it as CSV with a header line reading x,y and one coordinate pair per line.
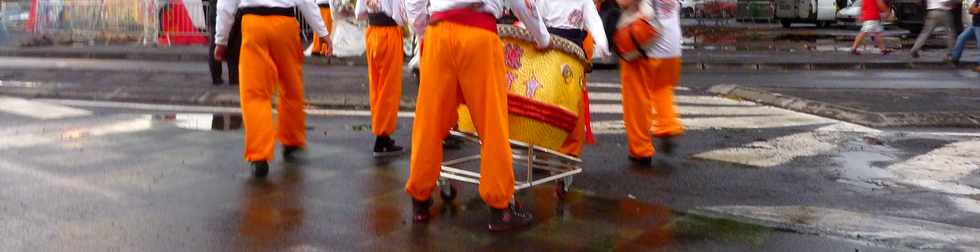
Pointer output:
x,y
384,38
463,63
577,21
234,46
871,23
648,38
939,14
271,60
971,32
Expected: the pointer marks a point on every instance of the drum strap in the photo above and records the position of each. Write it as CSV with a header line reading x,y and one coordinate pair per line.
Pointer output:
x,y
576,36
467,17
381,19
267,11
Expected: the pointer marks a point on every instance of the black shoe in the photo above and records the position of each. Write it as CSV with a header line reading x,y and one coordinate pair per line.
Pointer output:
x,y
641,160
291,153
510,218
385,146
233,83
420,211
666,145
260,169
452,143
915,54
217,82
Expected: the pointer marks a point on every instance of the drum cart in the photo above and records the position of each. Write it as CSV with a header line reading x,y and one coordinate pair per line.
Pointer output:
x,y
554,166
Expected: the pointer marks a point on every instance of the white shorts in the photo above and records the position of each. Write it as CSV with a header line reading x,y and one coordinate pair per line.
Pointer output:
x,y
872,26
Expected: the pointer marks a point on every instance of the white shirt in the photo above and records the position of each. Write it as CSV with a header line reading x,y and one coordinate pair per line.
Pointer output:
x,y
392,8
938,5
418,14
228,8
664,15
322,1
576,14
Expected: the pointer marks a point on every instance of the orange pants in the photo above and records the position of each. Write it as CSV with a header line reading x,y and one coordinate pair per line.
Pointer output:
x,y
576,139
649,82
384,58
462,64
328,21
271,58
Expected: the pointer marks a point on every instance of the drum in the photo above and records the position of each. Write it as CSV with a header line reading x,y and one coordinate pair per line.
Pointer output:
x,y
544,89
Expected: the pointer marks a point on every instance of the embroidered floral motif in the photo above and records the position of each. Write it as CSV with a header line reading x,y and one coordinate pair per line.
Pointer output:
x,y
532,87
512,56
576,19
566,71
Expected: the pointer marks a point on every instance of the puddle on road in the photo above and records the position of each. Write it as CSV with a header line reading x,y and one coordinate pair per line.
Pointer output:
x,y
864,169
207,122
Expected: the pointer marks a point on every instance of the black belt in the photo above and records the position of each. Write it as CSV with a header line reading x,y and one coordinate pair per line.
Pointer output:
x,y
324,5
267,11
576,36
381,19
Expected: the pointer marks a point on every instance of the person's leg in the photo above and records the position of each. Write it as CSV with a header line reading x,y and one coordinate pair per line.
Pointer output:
x,y
976,33
288,56
214,65
637,108
481,73
932,19
947,20
880,40
385,58
857,41
259,74
435,110
967,34
665,77
234,50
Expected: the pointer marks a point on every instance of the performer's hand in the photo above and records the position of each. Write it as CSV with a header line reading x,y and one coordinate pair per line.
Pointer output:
x,y
326,45
219,52
543,47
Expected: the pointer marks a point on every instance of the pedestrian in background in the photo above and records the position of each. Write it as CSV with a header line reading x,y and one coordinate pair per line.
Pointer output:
x,y
648,38
939,14
271,60
871,23
234,46
385,57
971,32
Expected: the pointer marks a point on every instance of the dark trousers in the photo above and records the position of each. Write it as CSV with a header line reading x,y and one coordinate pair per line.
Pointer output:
x,y
231,57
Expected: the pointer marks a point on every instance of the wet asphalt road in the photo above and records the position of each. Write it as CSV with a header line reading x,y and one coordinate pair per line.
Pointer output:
x,y
128,179
160,181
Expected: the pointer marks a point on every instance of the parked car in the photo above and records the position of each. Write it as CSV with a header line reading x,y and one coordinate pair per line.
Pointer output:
x,y
820,12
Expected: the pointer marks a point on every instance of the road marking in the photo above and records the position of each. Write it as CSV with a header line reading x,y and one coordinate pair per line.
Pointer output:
x,y
105,127
966,204
885,230
39,110
618,85
942,169
773,152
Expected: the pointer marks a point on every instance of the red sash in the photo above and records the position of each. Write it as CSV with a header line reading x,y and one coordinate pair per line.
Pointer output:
x,y
467,17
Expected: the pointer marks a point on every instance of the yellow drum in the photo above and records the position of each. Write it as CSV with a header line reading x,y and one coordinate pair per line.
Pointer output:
x,y
544,89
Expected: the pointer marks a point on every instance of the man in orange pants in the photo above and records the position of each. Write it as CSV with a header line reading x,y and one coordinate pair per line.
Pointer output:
x,y
649,81
385,58
271,60
463,63
318,48
577,21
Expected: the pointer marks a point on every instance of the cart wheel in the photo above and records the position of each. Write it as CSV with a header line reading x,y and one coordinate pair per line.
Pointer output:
x,y
448,191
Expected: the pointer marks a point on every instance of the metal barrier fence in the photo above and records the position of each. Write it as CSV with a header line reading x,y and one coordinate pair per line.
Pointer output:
x,y
149,22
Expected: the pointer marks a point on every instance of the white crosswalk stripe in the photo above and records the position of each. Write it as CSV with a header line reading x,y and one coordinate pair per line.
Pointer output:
x,y
39,110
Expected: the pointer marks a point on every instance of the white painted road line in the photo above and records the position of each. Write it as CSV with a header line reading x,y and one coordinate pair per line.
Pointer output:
x,y
204,109
39,110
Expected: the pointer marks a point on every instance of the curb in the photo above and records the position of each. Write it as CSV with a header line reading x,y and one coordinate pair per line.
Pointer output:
x,y
848,114
158,56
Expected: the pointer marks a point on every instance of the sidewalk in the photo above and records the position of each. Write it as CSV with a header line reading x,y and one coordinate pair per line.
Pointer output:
x,y
816,59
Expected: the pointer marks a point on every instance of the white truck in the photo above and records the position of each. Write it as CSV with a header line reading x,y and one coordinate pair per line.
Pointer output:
x,y
823,13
